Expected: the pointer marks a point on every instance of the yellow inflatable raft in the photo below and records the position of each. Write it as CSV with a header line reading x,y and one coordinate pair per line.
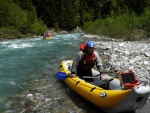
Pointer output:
x,y
48,37
116,98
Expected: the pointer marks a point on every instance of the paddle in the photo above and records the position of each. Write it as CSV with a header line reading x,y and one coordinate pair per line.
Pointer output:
x,y
61,75
91,77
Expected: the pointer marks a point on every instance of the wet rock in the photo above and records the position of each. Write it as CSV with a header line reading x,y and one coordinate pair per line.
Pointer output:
x,y
147,54
30,96
28,109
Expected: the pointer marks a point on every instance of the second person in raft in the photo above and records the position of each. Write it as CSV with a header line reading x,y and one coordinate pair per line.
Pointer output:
x,y
86,59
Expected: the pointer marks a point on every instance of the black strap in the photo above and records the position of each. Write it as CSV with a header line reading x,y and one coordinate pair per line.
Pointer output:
x,y
99,82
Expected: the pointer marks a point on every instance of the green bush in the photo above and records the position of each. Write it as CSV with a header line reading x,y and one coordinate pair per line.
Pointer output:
x,y
38,27
128,26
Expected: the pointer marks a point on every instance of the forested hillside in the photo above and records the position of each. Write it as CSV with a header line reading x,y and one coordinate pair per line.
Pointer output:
x,y
116,18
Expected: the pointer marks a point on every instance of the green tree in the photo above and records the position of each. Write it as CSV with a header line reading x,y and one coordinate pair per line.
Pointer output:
x,y
12,15
25,4
69,14
47,11
138,6
86,12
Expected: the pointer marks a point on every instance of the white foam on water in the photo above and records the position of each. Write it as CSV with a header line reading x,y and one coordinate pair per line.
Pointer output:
x,y
23,45
51,42
12,83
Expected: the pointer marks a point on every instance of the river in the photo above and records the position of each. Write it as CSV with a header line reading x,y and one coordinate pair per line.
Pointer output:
x,y
21,58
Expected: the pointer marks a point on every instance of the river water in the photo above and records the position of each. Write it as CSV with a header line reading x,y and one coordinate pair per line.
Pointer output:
x,y
22,58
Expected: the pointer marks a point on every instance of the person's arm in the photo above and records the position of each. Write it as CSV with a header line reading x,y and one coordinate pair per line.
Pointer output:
x,y
98,62
75,63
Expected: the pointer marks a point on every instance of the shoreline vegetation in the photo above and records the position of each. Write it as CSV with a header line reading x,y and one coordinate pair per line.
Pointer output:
x,y
117,19
6,34
135,34
110,27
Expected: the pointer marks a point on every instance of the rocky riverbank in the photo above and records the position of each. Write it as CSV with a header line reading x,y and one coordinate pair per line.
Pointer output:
x,y
122,55
48,95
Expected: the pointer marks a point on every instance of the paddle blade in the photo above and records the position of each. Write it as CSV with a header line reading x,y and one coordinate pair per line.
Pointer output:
x,y
61,75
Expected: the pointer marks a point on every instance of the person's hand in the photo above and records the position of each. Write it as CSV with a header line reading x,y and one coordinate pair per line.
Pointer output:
x,y
71,75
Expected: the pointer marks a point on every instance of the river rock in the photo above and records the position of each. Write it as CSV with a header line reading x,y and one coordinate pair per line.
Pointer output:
x,y
125,54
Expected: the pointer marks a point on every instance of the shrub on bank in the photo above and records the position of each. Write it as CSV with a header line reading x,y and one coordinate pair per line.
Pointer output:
x,y
128,26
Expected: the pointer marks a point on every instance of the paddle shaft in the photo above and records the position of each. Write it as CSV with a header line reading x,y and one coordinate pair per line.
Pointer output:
x,y
91,77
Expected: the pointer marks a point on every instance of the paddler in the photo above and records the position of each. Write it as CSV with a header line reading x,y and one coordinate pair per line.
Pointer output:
x,y
86,59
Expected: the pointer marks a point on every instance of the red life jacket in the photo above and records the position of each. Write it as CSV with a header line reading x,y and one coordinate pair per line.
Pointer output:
x,y
48,35
87,62
82,47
